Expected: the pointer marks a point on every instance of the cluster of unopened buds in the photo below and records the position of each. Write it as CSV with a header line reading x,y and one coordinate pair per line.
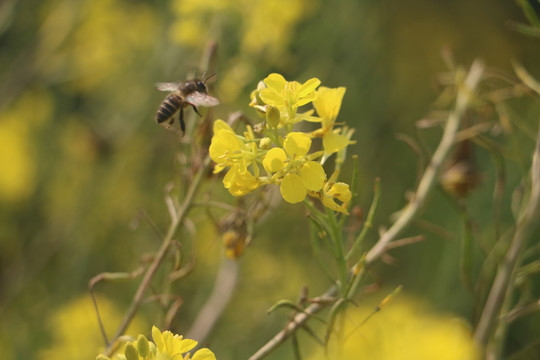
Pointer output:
x,y
273,152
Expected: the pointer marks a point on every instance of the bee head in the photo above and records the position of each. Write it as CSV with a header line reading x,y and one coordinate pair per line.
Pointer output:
x,y
201,85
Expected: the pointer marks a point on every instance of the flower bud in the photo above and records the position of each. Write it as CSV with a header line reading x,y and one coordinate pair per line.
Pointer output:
x,y
272,116
265,143
131,353
142,345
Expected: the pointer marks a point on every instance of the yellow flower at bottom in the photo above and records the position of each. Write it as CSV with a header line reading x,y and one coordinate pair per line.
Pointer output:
x,y
171,346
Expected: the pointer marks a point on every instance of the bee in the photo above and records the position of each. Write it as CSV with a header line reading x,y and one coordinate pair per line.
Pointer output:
x,y
187,93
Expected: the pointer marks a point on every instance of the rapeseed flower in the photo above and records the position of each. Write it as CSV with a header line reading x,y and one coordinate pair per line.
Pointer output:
x,y
166,346
328,104
229,150
282,152
295,170
333,191
287,96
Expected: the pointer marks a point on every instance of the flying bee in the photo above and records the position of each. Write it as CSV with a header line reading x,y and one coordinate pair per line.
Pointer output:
x,y
187,93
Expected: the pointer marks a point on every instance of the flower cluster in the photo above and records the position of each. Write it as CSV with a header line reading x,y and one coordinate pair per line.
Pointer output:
x,y
166,346
272,153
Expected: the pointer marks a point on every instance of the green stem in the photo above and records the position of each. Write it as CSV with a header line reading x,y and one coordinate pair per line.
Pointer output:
x,y
318,219
316,248
369,220
338,245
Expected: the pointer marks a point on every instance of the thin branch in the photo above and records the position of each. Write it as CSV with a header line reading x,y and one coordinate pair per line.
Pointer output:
x,y
430,175
297,322
505,272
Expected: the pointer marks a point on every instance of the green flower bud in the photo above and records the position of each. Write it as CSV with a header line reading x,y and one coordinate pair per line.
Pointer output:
x,y
142,345
272,116
131,353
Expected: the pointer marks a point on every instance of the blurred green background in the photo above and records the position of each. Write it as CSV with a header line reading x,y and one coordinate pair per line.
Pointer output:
x,y
81,157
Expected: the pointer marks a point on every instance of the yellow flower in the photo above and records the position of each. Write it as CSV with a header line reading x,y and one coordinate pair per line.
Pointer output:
x,y
228,150
168,346
298,173
172,346
294,187
327,104
281,92
287,96
239,181
225,146
339,191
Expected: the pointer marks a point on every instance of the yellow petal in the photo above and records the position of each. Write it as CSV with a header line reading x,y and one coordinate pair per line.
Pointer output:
x,y
275,81
308,87
313,175
306,99
204,354
333,142
332,205
341,191
297,144
292,189
223,144
270,97
180,346
221,125
240,181
328,102
274,160
158,338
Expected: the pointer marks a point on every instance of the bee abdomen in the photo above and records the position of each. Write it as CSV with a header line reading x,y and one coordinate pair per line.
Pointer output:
x,y
168,107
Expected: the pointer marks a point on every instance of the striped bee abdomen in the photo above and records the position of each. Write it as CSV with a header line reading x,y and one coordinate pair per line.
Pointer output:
x,y
168,107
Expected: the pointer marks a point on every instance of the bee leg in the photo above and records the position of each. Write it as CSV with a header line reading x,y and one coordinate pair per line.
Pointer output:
x,y
197,111
181,120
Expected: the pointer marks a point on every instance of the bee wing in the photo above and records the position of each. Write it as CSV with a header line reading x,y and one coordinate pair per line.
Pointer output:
x,y
167,86
201,99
